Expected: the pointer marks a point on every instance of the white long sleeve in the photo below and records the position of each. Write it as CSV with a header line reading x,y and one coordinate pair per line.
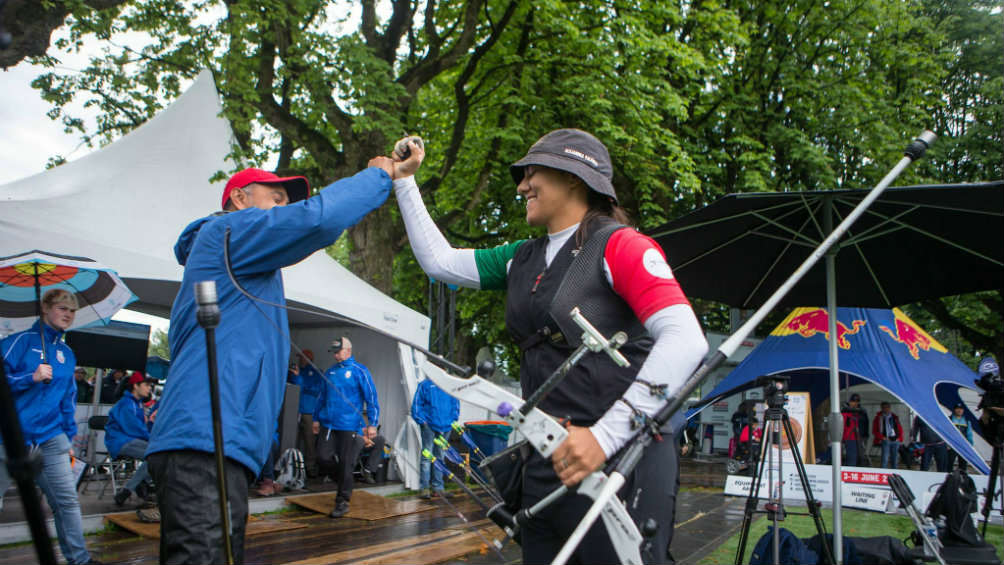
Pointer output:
x,y
435,255
679,347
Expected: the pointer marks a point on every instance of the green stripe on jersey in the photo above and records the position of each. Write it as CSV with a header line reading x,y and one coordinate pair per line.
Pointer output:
x,y
492,264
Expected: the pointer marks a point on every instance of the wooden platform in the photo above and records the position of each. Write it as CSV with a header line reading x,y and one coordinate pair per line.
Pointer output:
x,y
436,547
364,506
256,526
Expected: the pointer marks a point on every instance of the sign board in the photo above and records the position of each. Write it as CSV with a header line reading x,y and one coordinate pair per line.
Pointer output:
x,y
860,486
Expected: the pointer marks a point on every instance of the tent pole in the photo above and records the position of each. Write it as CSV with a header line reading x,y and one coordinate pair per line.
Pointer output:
x,y
836,420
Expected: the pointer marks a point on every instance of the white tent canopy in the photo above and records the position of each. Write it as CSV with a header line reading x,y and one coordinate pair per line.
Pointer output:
x,y
126,204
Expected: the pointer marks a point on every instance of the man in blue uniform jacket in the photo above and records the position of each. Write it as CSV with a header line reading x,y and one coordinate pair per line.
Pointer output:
x,y
348,391
434,411
127,433
269,223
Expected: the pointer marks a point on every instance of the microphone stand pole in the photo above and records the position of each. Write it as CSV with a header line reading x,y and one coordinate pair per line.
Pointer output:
x,y
208,314
23,467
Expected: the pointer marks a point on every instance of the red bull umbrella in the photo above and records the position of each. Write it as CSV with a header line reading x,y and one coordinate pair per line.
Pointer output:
x,y
25,277
884,347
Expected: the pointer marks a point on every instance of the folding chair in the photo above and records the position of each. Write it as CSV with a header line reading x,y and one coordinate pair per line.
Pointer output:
x,y
102,460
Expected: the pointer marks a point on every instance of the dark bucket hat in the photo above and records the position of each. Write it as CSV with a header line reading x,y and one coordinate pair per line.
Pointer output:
x,y
573,151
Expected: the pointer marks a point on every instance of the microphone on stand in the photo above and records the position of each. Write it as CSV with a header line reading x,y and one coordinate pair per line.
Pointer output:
x,y
208,315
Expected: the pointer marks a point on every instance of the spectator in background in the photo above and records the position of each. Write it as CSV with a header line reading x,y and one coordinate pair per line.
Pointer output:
x,y
855,430
266,479
961,423
85,390
111,386
303,374
44,395
348,391
934,446
434,411
889,434
128,432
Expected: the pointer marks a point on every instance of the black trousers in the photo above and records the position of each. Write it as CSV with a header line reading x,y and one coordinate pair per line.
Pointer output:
x,y
373,457
650,492
336,456
190,529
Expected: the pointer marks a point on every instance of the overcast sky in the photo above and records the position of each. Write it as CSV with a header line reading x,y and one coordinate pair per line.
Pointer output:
x,y
28,138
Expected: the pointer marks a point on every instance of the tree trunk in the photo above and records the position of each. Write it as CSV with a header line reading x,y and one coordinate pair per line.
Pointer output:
x,y
373,249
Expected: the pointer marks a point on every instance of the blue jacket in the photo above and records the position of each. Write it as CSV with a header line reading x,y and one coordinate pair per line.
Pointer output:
x,y
126,422
252,339
45,410
433,407
309,380
348,390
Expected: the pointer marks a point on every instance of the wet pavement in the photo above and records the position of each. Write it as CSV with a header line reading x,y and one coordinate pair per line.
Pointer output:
x,y
705,518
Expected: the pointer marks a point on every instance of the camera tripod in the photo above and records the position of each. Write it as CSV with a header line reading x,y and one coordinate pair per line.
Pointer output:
x,y
776,422
993,490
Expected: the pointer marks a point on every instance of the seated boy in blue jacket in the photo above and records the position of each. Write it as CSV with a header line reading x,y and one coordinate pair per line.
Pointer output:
x,y
127,433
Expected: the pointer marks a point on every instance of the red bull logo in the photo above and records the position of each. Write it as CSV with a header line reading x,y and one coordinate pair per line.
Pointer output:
x,y
807,322
911,335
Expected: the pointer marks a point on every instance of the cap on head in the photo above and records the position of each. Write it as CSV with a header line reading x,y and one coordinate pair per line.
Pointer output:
x,y
988,366
137,377
339,344
297,188
855,397
573,151
959,405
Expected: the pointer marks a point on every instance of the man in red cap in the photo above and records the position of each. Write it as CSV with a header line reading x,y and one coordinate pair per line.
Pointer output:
x,y
269,223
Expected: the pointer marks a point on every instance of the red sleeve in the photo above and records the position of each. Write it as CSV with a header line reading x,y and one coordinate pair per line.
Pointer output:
x,y
640,273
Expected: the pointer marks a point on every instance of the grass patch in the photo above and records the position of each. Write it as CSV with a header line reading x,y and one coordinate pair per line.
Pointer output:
x,y
857,523
282,510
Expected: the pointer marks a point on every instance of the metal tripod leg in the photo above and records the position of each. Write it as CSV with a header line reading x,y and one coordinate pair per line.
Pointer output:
x,y
751,503
990,494
810,500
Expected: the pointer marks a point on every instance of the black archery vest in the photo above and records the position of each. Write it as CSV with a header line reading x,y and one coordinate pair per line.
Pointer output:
x,y
596,382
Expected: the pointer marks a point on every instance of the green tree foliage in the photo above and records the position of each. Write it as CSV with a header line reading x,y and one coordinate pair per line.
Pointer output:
x,y
694,100
159,345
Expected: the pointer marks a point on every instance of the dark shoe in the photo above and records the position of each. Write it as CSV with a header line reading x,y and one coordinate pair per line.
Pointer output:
x,y
146,492
368,477
426,494
122,496
341,509
267,488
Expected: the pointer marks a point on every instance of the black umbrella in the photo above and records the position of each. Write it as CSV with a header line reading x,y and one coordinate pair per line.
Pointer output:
x,y
913,243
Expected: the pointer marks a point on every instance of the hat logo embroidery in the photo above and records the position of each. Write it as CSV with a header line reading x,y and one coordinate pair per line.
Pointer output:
x,y
582,156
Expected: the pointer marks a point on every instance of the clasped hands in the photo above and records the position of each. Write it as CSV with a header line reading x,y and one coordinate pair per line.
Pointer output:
x,y
398,168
